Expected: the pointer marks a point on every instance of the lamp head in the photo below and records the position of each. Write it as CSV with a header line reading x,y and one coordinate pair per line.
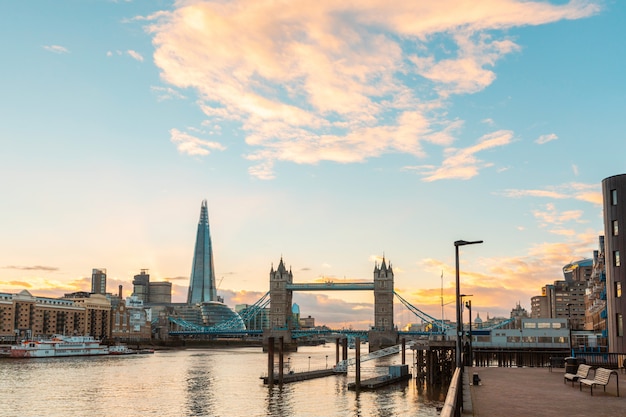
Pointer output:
x,y
465,242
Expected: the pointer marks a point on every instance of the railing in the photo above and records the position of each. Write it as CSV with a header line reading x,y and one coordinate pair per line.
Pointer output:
x,y
602,359
517,358
342,366
452,405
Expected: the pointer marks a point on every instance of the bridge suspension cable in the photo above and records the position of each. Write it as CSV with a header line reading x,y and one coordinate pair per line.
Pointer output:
x,y
424,316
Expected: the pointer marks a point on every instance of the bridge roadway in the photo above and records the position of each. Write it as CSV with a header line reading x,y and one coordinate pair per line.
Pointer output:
x,y
331,286
295,333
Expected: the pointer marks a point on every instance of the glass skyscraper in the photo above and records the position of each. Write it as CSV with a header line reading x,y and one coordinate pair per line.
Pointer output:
x,y
202,282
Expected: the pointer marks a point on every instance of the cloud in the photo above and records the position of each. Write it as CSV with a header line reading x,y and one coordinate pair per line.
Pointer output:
x,y
337,81
191,145
135,55
590,193
546,138
550,216
166,93
57,49
16,284
32,268
462,163
507,279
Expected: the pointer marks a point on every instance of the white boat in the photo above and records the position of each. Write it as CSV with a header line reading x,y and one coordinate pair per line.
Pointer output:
x,y
121,350
58,346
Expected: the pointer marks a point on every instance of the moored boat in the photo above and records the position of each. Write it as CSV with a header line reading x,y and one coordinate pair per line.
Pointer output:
x,y
59,346
121,350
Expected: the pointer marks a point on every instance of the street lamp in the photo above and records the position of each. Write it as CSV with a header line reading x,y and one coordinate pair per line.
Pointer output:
x,y
459,328
468,304
569,325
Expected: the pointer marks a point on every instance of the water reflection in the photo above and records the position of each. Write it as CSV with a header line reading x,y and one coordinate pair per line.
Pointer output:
x,y
200,400
357,405
280,401
186,383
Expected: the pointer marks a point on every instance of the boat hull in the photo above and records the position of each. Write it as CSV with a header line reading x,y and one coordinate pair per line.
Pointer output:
x,y
59,346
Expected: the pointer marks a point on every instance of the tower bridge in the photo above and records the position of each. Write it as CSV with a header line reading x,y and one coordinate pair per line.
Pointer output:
x,y
381,335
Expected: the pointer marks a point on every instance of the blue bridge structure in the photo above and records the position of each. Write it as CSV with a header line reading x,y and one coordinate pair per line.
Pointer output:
x,y
281,323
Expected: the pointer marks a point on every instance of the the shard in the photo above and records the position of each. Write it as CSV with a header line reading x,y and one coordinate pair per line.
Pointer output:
x,y
202,282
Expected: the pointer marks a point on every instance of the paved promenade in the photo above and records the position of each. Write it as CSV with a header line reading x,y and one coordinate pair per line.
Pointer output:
x,y
538,392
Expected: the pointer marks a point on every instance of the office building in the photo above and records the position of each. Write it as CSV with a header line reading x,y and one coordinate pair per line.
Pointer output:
x,y
595,295
98,281
614,205
202,281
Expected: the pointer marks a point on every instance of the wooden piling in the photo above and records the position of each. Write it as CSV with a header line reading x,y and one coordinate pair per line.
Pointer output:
x,y
357,348
281,362
270,361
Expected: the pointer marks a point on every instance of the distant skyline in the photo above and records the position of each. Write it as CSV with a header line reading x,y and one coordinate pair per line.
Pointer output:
x,y
326,133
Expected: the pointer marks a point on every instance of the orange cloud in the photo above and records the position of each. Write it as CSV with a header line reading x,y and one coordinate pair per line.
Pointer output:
x,y
590,193
462,163
326,80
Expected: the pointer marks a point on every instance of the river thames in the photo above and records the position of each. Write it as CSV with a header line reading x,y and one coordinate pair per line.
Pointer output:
x,y
201,382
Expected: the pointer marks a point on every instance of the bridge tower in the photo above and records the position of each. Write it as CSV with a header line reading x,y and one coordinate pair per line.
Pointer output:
x,y
384,333
281,317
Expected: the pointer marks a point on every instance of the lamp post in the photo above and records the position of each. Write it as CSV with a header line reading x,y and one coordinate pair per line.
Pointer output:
x,y
468,304
459,328
569,326
463,327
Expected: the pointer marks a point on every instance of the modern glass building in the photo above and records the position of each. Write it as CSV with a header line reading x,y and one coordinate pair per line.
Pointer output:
x,y
202,282
202,293
215,313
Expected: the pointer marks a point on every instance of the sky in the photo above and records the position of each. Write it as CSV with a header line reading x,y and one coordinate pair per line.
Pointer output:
x,y
329,134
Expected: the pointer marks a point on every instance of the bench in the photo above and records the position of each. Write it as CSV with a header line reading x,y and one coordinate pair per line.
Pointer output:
x,y
601,377
582,373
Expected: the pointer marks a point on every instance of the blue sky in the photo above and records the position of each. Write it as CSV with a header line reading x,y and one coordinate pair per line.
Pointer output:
x,y
328,134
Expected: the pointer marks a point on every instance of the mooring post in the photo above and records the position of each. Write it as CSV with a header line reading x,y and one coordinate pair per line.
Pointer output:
x,y
344,353
357,348
281,340
270,361
336,351
403,351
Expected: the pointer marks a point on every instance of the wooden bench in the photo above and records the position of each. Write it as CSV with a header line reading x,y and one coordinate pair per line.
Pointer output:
x,y
582,373
601,377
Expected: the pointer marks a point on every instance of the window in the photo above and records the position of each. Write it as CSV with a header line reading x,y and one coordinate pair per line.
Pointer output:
x,y
618,289
615,228
620,324
616,260
613,197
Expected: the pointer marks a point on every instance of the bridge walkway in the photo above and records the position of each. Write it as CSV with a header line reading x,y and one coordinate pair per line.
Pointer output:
x,y
342,366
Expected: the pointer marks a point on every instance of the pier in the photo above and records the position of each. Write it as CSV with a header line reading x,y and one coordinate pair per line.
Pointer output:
x,y
298,376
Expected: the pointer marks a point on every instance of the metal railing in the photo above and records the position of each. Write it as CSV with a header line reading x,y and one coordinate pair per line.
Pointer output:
x,y
517,358
602,359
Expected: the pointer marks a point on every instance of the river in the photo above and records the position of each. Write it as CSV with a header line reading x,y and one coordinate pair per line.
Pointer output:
x,y
200,382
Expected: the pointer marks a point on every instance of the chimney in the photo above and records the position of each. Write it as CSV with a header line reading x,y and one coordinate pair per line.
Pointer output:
x,y
120,292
